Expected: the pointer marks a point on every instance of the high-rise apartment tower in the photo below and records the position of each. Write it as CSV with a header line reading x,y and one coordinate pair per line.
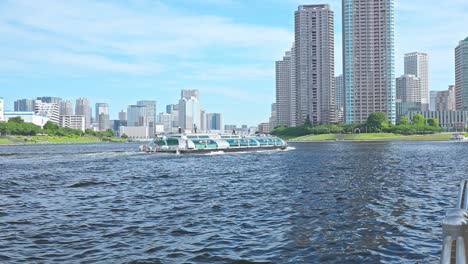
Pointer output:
x,y
368,65
314,64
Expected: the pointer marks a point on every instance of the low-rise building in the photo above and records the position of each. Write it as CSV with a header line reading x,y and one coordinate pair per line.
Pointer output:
x,y
28,117
159,129
402,108
449,120
73,121
230,127
264,128
135,132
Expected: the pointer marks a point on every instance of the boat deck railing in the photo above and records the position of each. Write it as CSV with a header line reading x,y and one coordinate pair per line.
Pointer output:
x,y
455,230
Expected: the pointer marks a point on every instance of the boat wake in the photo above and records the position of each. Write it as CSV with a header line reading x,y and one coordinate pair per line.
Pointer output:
x,y
108,154
213,153
289,149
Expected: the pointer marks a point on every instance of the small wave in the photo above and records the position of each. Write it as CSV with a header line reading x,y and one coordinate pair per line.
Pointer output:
x,y
209,258
155,249
8,154
86,184
146,261
182,231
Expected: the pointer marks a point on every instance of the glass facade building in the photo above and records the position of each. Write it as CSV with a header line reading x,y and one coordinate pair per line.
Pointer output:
x,y
24,105
461,75
136,115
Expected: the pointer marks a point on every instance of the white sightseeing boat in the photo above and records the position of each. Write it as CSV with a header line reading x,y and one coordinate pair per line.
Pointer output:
x,y
202,143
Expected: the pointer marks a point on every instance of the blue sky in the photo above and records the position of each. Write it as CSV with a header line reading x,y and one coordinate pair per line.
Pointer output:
x,y
123,51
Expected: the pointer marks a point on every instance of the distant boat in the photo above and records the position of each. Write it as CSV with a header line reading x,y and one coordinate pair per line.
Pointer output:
x,y
203,143
458,137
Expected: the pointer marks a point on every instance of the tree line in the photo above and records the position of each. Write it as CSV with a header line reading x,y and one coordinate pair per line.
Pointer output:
x,y
17,126
376,123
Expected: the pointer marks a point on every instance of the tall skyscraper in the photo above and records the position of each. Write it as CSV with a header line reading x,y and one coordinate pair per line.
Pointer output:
x,y
189,113
50,99
408,95
187,94
66,108
122,115
339,98
461,75
214,121
102,117
137,116
82,107
165,120
202,121
416,63
408,89
368,52
24,105
171,107
273,116
314,52
150,113
284,90
293,107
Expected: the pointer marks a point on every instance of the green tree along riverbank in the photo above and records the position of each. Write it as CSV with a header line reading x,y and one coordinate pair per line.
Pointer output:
x,y
376,128
16,131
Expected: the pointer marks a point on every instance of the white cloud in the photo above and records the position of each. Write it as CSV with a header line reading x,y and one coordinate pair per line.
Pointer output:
x,y
101,63
110,34
223,72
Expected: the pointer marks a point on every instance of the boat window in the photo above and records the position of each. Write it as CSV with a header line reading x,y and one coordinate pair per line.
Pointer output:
x,y
172,142
253,142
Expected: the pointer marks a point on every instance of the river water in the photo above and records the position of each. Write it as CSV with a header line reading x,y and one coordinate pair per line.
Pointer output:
x,y
313,203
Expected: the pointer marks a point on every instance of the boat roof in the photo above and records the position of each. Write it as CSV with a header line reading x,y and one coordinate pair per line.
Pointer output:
x,y
214,136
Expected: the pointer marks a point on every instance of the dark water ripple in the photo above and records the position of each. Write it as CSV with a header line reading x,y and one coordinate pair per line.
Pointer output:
x,y
328,203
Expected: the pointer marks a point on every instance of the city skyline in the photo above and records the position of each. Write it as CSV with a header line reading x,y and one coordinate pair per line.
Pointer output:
x,y
230,58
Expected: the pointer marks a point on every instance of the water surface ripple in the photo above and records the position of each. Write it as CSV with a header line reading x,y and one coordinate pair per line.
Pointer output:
x,y
328,203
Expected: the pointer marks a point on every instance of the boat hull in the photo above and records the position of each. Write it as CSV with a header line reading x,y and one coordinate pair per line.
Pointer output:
x,y
227,150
